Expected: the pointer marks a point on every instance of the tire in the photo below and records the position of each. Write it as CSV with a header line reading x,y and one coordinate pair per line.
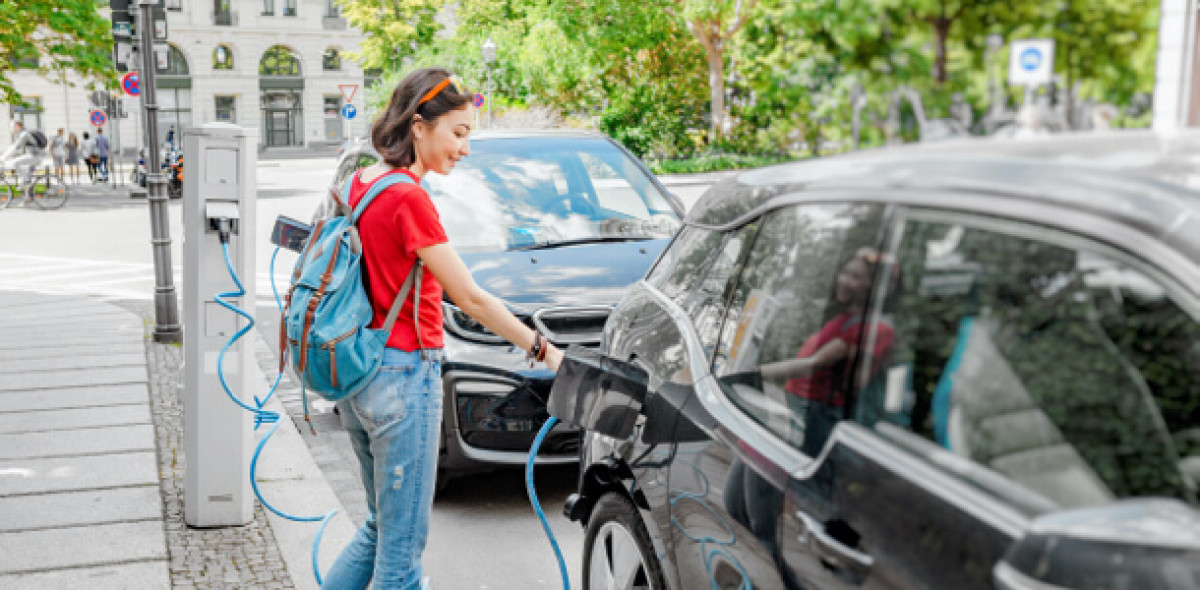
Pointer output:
x,y
615,537
51,194
8,193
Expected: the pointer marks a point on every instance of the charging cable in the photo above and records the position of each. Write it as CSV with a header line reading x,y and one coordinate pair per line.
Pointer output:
x,y
537,506
261,415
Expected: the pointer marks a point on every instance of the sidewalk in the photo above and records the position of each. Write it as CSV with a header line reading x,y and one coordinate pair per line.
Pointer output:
x,y
92,463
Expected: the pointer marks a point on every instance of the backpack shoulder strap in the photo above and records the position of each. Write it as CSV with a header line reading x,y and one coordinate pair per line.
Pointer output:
x,y
388,180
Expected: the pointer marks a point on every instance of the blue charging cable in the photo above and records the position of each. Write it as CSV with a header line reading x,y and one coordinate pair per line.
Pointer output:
x,y
537,506
261,415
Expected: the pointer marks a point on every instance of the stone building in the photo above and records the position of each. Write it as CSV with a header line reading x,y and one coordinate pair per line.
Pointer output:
x,y
275,65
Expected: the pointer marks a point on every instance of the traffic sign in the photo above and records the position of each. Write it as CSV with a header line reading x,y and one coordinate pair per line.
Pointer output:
x,y
348,111
348,91
97,117
1031,62
131,82
478,100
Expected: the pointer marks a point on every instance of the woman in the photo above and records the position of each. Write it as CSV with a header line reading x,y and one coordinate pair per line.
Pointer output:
x,y
58,150
818,379
394,423
73,156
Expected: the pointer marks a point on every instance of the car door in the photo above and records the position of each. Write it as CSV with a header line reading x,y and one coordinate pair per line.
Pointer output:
x,y
1008,371
741,436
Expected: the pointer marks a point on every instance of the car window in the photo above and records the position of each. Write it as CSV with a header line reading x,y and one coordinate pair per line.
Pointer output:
x,y
795,318
1048,373
696,271
538,192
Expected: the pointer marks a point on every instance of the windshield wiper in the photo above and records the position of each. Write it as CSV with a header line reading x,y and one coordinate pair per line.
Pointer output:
x,y
581,241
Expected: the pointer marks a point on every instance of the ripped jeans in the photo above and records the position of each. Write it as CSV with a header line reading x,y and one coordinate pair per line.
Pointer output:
x,y
394,426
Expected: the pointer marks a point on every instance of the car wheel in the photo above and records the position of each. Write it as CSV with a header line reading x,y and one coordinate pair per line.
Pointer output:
x,y
616,551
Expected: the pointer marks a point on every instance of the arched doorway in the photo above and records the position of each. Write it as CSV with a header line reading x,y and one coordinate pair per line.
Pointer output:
x,y
281,84
174,97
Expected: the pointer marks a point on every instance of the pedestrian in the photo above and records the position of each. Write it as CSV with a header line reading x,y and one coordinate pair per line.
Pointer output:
x,y
58,151
102,148
88,151
73,156
394,422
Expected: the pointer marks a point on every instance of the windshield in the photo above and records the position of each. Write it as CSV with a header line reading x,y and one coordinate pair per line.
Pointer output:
x,y
536,192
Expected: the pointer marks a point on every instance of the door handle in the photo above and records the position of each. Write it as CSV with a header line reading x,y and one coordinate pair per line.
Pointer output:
x,y
838,554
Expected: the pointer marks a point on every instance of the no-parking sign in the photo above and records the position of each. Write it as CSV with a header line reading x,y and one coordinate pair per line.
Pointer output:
x,y
1031,62
97,117
131,82
478,100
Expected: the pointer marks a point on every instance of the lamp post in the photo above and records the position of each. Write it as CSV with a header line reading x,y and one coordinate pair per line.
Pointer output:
x,y
489,58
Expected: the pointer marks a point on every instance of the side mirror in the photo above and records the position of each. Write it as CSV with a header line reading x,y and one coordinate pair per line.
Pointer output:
x,y
598,393
1142,543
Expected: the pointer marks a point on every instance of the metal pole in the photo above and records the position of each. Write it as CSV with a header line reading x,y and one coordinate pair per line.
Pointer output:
x,y
166,307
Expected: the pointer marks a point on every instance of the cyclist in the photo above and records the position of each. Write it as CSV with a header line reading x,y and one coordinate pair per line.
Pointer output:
x,y
24,154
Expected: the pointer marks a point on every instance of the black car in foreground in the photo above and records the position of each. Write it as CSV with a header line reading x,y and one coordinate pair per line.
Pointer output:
x,y
557,224
969,365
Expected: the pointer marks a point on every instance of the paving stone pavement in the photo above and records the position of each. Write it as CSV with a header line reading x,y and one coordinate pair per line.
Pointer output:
x,y
236,557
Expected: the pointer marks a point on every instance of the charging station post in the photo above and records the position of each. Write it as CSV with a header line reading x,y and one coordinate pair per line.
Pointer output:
x,y
218,192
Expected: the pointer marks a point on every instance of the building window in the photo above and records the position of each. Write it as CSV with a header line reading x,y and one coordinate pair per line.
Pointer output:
x,y
226,108
175,5
29,116
289,7
223,13
332,10
268,7
222,58
25,58
279,61
331,60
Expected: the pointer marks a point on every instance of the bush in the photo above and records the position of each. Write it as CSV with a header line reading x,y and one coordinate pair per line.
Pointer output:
x,y
714,162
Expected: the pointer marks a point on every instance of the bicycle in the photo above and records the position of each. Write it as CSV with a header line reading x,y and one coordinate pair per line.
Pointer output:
x,y
46,190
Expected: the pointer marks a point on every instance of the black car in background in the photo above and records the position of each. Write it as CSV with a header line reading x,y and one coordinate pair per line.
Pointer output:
x,y
969,365
557,224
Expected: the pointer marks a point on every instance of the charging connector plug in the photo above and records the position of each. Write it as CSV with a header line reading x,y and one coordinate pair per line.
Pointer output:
x,y
222,218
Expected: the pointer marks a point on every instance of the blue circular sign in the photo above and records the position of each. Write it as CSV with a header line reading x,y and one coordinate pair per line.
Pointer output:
x,y
1031,59
132,84
348,111
478,100
97,117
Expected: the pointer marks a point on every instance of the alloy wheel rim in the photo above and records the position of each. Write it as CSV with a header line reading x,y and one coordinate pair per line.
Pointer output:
x,y
616,563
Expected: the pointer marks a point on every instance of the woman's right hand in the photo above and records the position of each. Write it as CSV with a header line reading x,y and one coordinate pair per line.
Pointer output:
x,y
554,357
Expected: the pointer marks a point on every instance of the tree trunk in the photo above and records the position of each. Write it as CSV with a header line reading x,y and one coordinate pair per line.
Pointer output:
x,y
941,30
716,87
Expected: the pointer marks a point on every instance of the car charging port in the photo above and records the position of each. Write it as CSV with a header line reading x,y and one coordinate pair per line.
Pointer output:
x,y
598,393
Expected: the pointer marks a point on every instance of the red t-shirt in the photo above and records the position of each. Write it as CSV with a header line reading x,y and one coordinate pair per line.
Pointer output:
x,y
829,384
400,221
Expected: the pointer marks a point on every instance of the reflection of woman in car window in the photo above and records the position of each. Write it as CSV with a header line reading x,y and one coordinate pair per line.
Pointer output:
x,y
818,379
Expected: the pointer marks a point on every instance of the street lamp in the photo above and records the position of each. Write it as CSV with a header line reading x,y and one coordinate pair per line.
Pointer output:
x,y
489,58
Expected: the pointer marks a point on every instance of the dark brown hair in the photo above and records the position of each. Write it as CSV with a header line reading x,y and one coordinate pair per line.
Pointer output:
x,y
391,133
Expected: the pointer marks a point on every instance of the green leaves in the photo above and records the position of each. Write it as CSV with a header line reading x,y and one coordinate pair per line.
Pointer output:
x,y
66,35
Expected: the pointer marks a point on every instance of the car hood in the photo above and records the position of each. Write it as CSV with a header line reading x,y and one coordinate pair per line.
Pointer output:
x,y
592,274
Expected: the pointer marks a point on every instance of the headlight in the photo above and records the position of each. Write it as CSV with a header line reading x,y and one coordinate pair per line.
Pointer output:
x,y
464,326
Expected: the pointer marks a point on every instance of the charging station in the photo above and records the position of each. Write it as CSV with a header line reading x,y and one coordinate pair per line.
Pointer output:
x,y
218,189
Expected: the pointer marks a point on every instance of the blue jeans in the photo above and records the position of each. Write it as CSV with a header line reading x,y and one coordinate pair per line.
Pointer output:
x,y
394,426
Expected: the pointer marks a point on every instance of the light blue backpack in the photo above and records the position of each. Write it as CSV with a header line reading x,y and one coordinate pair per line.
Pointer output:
x,y
328,311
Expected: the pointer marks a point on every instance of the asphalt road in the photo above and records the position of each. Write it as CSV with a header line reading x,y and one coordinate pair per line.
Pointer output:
x,y
483,532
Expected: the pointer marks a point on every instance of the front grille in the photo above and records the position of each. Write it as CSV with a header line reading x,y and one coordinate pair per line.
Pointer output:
x,y
572,325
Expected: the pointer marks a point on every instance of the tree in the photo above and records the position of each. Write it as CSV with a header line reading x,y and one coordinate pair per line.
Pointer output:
x,y
714,23
393,29
63,35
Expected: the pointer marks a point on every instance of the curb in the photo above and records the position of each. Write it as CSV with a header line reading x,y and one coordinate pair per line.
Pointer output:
x,y
290,480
